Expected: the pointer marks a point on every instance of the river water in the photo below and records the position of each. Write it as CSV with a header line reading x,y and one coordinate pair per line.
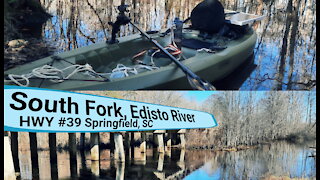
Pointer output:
x,y
277,159
285,51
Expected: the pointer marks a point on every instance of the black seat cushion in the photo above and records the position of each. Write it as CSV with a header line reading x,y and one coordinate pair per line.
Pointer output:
x,y
208,16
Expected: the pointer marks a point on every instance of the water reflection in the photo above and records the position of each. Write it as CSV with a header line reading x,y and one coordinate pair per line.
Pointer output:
x,y
277,159
284,54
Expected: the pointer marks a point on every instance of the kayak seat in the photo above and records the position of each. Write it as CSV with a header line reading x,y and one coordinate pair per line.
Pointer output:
x,y
208,16
198,44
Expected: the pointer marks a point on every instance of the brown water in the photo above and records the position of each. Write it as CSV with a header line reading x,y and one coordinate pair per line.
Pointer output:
x,y
277,159
285,50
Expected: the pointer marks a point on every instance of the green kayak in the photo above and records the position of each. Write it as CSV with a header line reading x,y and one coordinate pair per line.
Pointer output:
x,y
133,63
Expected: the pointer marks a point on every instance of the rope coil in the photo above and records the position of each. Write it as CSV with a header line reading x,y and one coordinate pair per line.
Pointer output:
x,y
51,73
126,70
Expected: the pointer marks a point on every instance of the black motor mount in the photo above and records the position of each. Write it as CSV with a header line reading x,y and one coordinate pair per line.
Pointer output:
x,y
122,19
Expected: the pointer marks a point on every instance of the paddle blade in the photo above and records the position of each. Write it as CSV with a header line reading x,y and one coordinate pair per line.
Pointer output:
x,y
200,84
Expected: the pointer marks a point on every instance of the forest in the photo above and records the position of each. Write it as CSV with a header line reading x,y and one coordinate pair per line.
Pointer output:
x,y
244,118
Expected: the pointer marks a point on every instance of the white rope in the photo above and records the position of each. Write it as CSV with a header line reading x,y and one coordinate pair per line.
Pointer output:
x,y
151,58
17,78
172,37
49,72
205,50
157,51
126,70
59,75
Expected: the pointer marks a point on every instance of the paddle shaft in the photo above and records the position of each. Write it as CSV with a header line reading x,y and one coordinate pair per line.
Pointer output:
x,y
185,69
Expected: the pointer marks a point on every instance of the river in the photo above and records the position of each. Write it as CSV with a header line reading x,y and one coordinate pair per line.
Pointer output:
x,y
270,160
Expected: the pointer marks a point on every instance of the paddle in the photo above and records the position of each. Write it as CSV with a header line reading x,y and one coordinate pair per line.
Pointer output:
x,y
194,80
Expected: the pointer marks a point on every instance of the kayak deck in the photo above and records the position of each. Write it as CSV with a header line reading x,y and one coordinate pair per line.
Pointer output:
x,y
104,58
